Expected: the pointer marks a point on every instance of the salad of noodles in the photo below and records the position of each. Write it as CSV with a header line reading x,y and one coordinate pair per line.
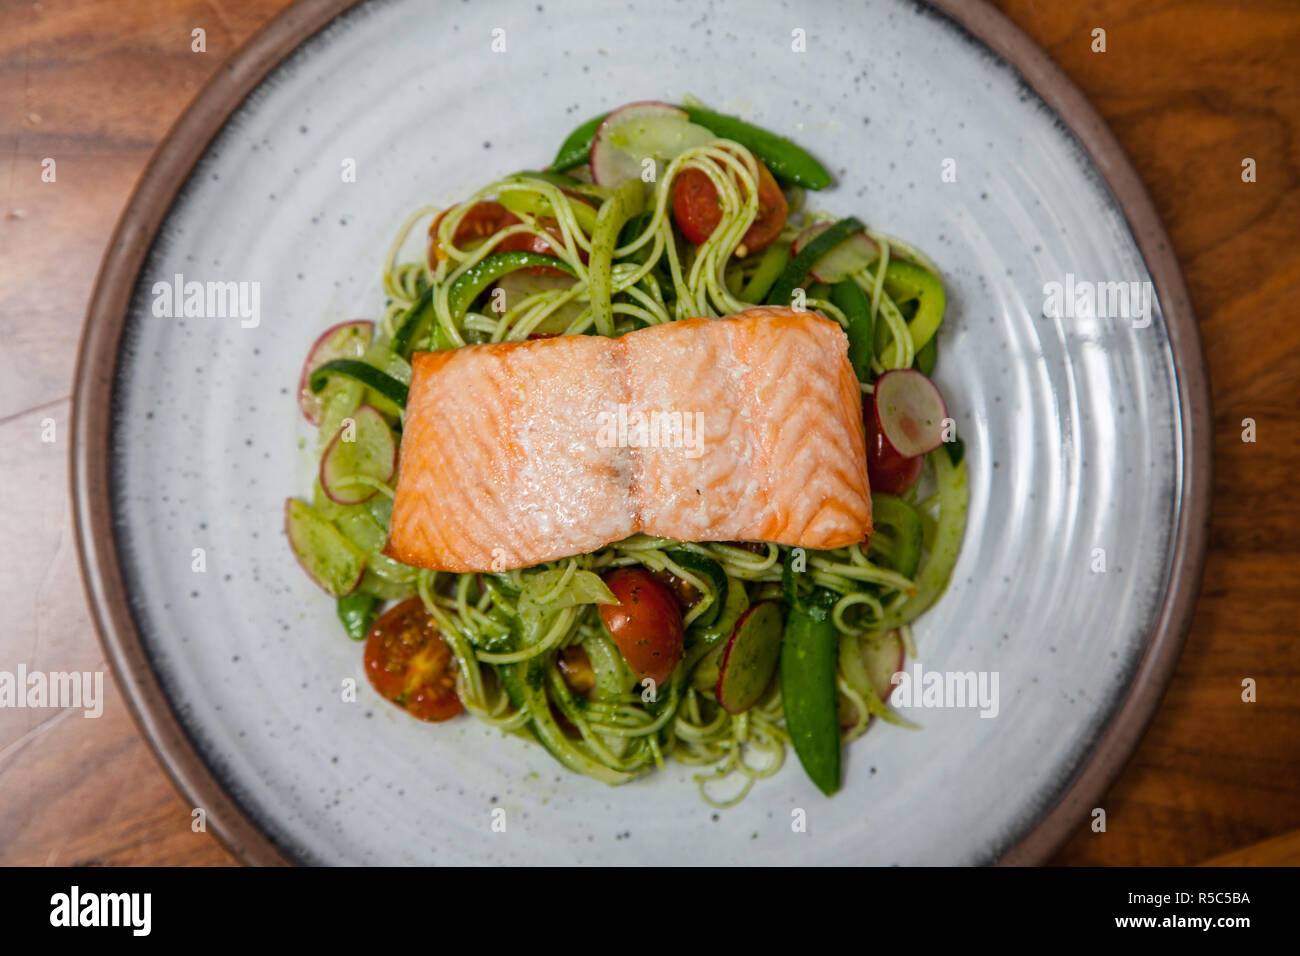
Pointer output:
x,y
650,214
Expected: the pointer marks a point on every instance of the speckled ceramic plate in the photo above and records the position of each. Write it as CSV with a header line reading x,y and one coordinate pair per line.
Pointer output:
x,y
1086,435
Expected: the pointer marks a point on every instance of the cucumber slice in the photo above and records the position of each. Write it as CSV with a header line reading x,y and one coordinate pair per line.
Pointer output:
x,y
366,449
816,247
383,383
850,255
750,658
329,559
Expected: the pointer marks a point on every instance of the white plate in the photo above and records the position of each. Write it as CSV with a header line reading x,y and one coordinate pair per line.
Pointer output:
x,y
1073,426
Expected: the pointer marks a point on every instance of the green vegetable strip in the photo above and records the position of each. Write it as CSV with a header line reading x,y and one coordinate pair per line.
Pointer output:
x,y
414,321
927,357
368,375
769,268
907,280
626,202
852,301
797,270
905,523
938,569
786,161
523,683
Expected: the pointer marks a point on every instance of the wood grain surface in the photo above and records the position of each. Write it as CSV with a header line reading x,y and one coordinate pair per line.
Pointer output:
x,y
1191,88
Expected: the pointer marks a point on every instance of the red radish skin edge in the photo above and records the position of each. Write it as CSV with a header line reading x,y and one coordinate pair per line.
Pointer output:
x,y
726,655
329,493
288,533
811,232
308,366
887,690
911,427
600,141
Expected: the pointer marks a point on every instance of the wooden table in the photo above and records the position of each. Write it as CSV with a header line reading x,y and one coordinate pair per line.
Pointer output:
x,y
1191,87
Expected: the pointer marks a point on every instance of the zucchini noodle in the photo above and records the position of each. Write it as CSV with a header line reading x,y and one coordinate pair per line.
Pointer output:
x,y
622,266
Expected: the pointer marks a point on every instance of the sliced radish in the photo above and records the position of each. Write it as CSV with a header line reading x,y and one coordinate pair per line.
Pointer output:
x,y
364,447
910,412
347,340
640,131
850,256
751,657
882,659
329,558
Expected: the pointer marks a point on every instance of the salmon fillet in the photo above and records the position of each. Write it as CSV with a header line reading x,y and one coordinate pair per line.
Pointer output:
x,y
747,428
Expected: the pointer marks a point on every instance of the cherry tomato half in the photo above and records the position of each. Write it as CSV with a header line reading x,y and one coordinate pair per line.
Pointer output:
x,y
480,221
887,470
646,624
486,218
531,242
698,212
410,664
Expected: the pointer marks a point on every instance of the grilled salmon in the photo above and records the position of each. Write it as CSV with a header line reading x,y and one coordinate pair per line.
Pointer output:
x,y
743,428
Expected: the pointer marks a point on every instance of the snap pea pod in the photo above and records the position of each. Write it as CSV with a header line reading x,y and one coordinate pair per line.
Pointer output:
x,y
852,301
627,200
809,659
357,612
549,176
769,268
907,531
368,375
787,162
797,269
576,149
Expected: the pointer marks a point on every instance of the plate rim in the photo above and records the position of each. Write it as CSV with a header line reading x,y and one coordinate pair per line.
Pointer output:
x,y
169,168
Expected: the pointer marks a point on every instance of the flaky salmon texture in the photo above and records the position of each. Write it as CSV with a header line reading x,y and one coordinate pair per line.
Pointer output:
x,y
745,428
